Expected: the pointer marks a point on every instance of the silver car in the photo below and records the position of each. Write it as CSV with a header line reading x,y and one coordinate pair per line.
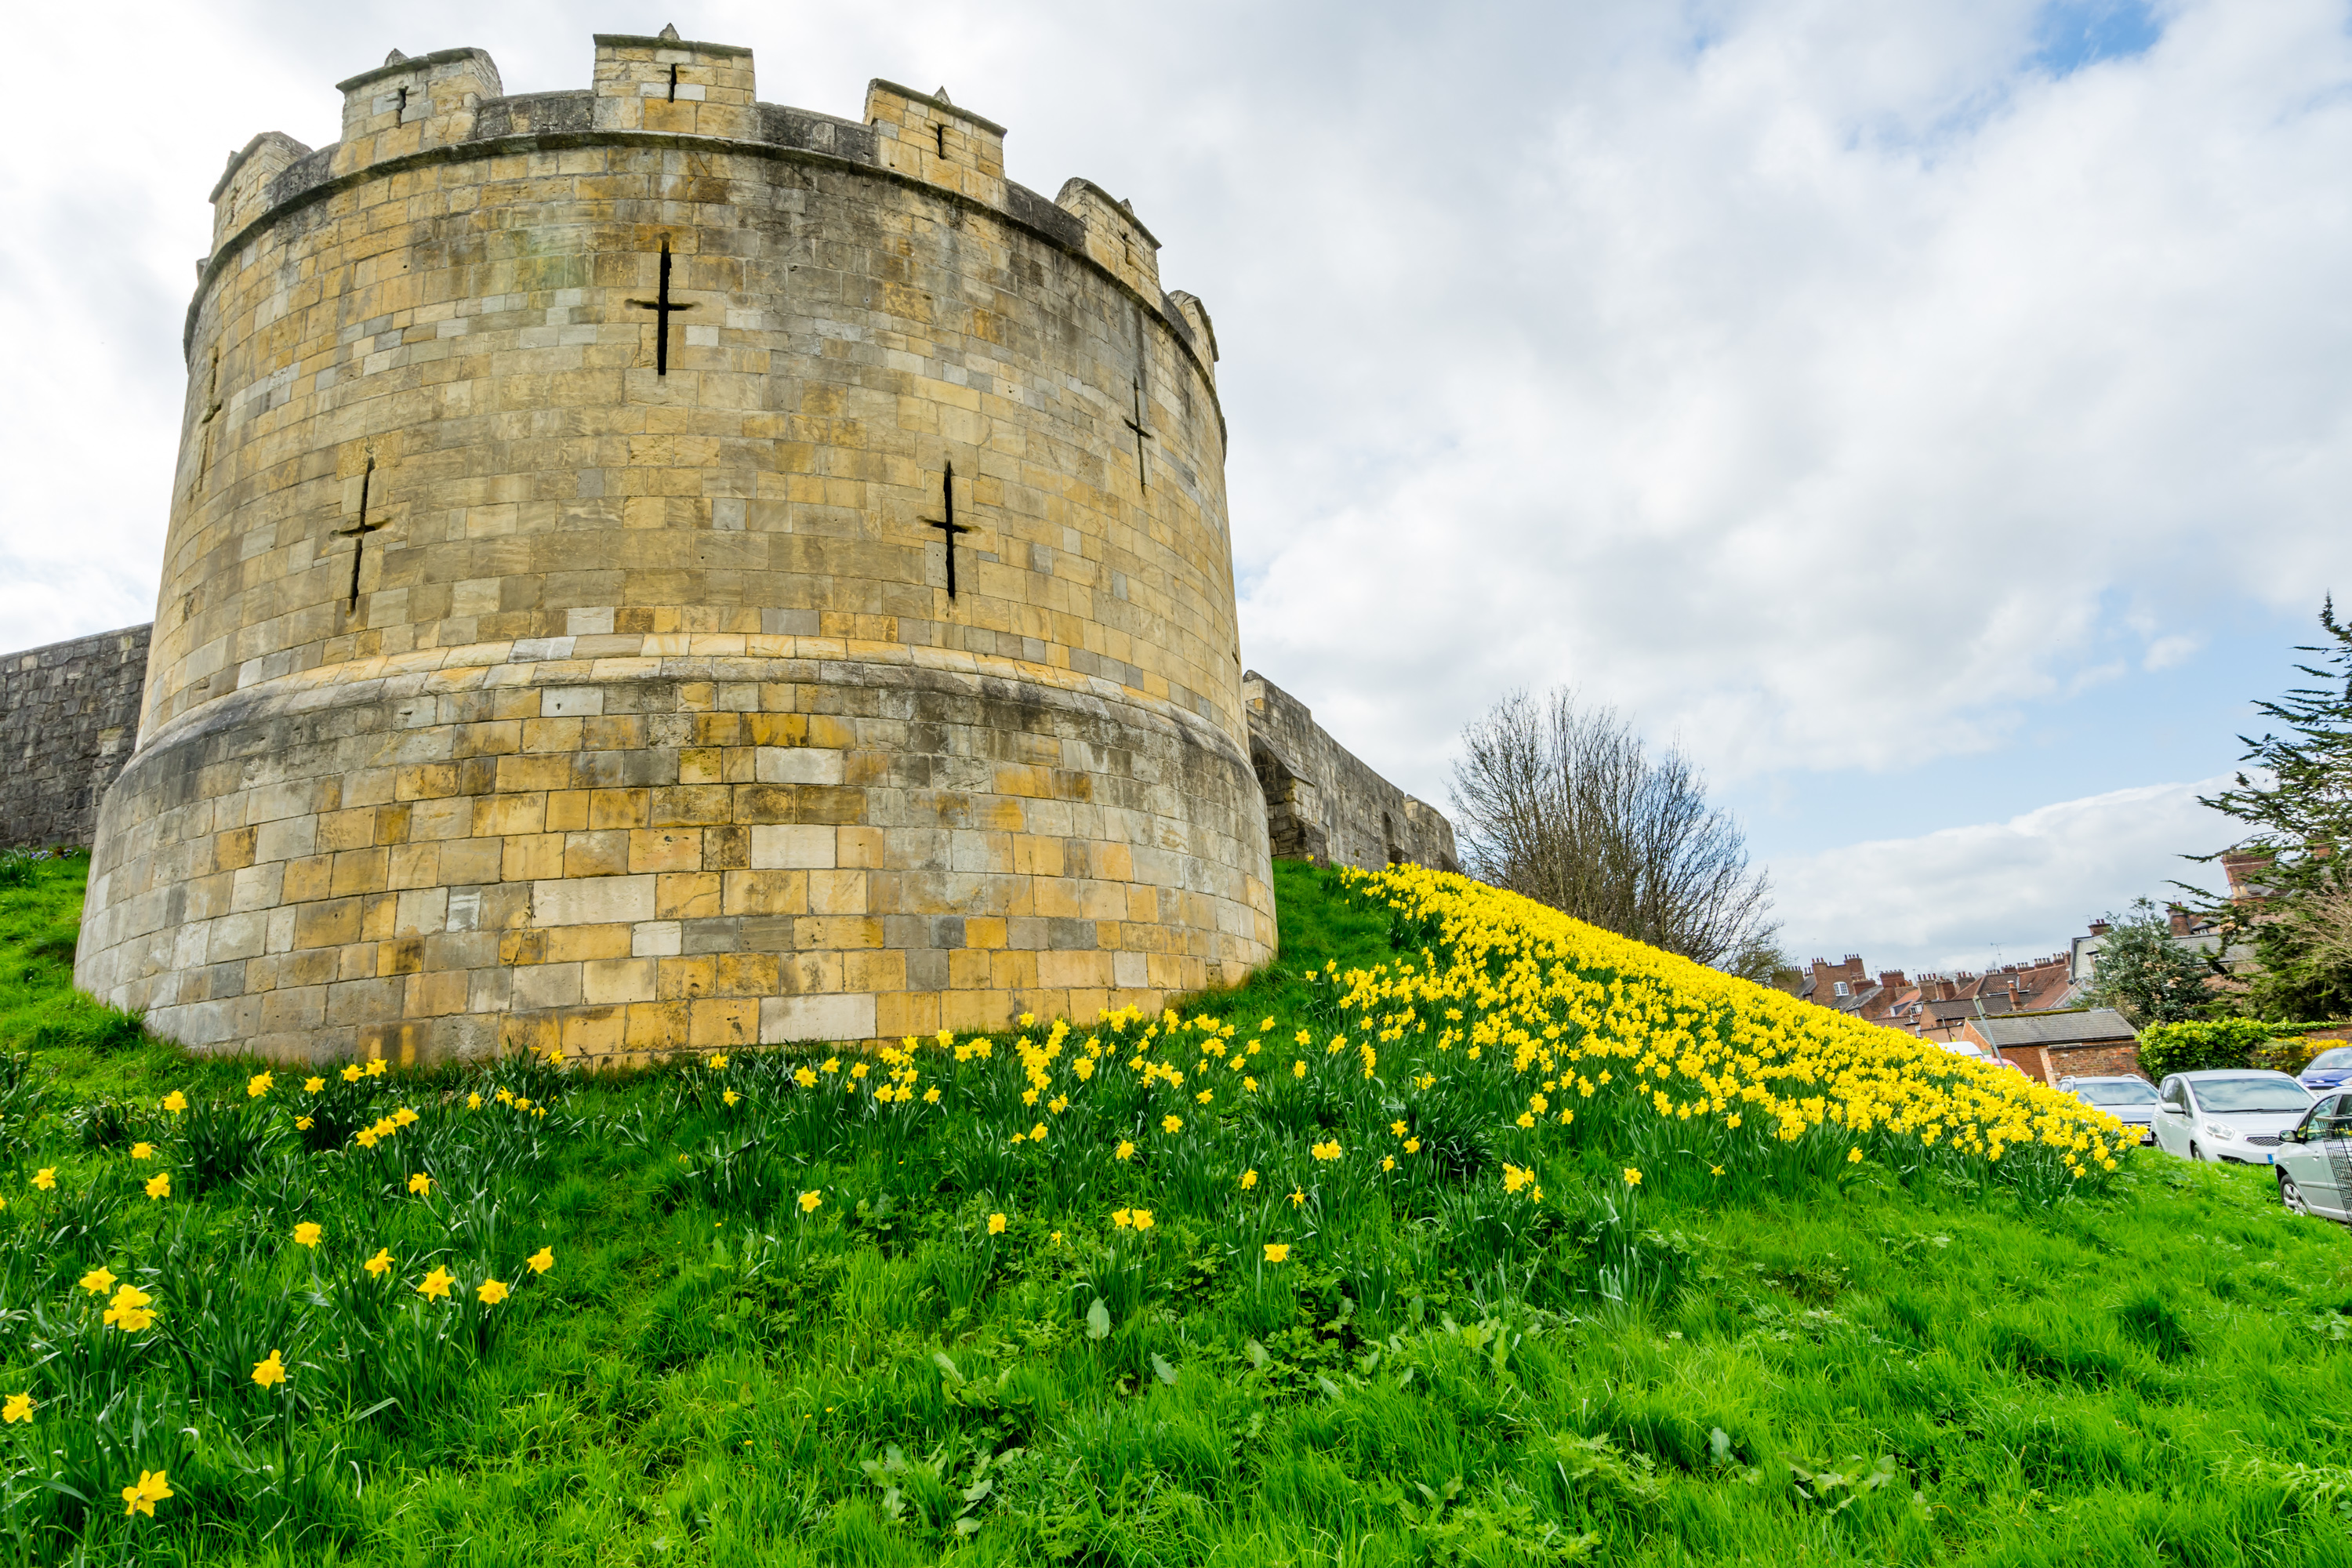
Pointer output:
x,y
2130,1101
2314,1160
2232,1114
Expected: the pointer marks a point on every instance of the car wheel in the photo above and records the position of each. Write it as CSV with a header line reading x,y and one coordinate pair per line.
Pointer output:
x,y
2292,1195
2192,1150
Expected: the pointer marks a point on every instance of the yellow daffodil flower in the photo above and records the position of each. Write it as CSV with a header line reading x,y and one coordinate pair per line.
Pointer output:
x,y
270,1373
435,1287
150,1489
132,1311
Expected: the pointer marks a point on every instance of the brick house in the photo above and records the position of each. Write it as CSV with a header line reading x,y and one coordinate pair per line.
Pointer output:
x,y
1938,1006
2088,1042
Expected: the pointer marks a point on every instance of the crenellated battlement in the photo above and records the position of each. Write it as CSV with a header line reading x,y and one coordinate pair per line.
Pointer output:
x,y
451,104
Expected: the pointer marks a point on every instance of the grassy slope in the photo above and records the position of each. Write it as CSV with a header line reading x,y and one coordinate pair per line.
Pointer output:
x,y
2127,1379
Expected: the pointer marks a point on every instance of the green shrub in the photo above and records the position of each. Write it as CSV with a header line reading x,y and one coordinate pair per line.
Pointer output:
x,y
2196,1046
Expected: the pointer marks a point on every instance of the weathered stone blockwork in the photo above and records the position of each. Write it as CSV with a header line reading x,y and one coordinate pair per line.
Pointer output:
x,y
1323,804
522,678
68,717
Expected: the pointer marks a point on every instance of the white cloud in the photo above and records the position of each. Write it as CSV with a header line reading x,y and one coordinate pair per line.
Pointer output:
x,y
1776,370
1952,899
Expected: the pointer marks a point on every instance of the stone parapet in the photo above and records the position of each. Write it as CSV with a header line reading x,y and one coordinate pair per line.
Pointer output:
x,y
1323,803
68,718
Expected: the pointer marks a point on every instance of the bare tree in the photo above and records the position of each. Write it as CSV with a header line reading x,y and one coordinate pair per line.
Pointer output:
x,y
1562,803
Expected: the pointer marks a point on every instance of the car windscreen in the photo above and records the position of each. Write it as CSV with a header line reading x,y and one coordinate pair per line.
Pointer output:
x,y
2337,1060
2118,1091
2251,1094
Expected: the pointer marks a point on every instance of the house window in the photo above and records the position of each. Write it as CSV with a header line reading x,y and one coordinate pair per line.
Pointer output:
x,y
1842,989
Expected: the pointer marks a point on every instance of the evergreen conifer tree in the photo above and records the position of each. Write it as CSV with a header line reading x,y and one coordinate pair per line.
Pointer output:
x,y
2301,816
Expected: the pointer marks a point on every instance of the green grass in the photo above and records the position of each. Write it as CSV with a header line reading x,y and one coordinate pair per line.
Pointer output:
x,y
1870,1366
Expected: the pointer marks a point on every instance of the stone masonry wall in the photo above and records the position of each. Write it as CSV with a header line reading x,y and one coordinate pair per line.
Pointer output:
x,y
558,640
1323,804
68,717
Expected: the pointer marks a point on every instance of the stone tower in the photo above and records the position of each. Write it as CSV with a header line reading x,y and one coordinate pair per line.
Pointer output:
x,y
650,568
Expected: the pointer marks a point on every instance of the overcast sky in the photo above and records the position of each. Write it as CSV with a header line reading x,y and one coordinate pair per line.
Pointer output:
x,y
1936,418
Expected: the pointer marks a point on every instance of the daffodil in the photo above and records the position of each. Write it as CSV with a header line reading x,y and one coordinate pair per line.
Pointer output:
x,y
435,1287
1277,1252
150,1489
1249,1180
421,1184
808,1202
1126,1150
132,1311
491,1292
18,1408
351,1073
99,1280
380,1264
1142,1219
142,1151
45,1178
260,1084
160,1185
176,1103
313,1085
271,1373
542,1260
1632,1177
308,1233
996,1225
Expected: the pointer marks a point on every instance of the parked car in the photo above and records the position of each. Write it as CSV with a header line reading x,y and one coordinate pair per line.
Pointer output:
x,y
2314,1160
2331,1069
2130,1101
2229,1114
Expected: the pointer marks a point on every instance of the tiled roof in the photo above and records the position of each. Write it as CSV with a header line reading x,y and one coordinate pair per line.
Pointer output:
x,y
2074,1027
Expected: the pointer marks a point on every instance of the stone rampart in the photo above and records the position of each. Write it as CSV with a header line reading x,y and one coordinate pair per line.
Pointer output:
x,y
652,569
68,717
1323,804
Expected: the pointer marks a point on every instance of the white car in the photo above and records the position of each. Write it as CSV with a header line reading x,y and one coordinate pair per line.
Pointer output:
x,y
2314,1163
2130,1101
2232,1114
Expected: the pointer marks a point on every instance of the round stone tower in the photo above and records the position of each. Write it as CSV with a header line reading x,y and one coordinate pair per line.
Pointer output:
x,y
653,569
